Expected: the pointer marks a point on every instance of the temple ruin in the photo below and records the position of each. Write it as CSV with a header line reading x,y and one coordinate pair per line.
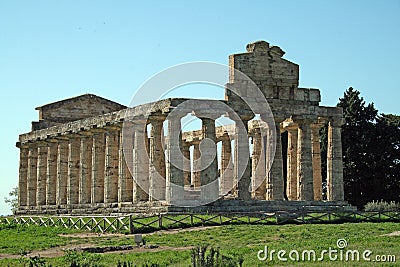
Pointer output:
x,y
90,155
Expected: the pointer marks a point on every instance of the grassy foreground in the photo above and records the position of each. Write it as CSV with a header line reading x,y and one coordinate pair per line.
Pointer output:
x,y
236,241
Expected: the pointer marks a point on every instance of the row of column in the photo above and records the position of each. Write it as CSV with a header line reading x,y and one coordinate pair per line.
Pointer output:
x,y
90,167
304,178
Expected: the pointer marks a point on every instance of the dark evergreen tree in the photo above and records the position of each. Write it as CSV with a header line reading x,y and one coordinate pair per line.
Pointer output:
x,y
371,158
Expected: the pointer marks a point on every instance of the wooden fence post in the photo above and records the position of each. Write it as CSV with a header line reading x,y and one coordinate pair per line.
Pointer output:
x,y
131,229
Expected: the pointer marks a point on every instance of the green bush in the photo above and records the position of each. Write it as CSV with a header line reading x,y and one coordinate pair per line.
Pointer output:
x,y
382,206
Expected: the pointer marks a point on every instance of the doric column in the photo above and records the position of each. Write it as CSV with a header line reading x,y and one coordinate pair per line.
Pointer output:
x,y
98,165
62,171
242,160
125,189
140,163
51,181
226,165
258,166
41,173
111,168
157,159
174,162
73,169
291,182
23,174
32,174
186,163
304,162
196,176
209,170
316,160
275,179
335,162
85,174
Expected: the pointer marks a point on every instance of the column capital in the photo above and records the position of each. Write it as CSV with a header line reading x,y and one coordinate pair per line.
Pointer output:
x,y
289,125
21,145
42,143
336,122
96,130
112,127
157,117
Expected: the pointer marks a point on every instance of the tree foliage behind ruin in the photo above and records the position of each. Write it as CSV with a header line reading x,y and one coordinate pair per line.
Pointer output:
x,y
371,151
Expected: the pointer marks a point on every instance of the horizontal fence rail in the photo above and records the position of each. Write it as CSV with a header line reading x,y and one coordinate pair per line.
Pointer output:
x,y
133,224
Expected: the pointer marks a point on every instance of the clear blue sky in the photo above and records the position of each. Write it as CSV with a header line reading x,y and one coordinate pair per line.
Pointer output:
x,y
50,50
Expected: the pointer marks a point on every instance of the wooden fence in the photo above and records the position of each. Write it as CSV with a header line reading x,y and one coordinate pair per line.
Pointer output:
x,y
132,224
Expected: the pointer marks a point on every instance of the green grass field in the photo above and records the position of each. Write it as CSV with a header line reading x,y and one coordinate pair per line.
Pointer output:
x,y
236,241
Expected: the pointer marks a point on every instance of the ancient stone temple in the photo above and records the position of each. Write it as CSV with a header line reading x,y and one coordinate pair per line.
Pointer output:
x,y
88,154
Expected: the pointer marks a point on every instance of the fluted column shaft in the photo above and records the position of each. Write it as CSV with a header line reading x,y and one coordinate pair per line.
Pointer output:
x,y
334,163
316,161
73,170
41,173
62,172
292,184
157,160
275,180
98,166
304,162
196,176
226,166
125,190
85,177
242,161
111,168
32,175
140,173
258,166
174,162
23,175
209,173
186,164
51,181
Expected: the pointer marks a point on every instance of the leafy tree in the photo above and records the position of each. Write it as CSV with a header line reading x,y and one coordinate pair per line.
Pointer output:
x,y
371,158
13,200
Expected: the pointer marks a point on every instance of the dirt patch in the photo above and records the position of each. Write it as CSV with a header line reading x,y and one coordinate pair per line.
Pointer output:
x,y
395,233
60,251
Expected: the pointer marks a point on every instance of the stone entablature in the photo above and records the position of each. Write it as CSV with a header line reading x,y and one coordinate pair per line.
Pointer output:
x,y
93,164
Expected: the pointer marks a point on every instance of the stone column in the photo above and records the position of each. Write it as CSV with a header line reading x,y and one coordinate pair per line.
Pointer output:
x,y
335,162
32,174
140,163
51,181
73,169
242,161
62,171
258,166
111,168
85,174
316,161
23,174
226,165
174,162
186,163
209,173
41,173
125,189
98,165
275,179
196,176
291,183
157,159
304,162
